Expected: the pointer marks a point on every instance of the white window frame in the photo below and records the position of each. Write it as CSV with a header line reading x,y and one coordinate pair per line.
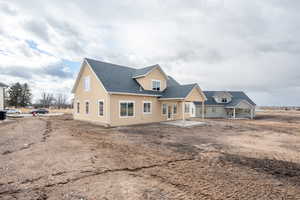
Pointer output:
x,y
159,81
189,106
87,101
223,99
162,109
126,101
175,104
150,112
98,106
78,102
87,83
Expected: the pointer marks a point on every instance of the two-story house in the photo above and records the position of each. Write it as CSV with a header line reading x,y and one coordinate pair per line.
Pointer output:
x,y
114,95
2,95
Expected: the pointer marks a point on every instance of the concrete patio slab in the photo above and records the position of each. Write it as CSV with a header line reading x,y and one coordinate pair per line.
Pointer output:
x,y
182,123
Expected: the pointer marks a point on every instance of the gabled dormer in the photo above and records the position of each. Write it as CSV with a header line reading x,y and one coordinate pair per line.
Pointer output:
x,y
151,78
222,97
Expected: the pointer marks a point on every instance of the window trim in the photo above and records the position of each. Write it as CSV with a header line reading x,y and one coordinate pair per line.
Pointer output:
x,y
189,106
162,109
126,101
147,113
175,104
89,83
87,101
98,106
152,80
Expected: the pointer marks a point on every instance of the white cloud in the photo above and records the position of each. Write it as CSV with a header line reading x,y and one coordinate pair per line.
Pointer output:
x,y
238,44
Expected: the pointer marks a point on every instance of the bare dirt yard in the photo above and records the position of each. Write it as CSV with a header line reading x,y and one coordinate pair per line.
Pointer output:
x,y
58,158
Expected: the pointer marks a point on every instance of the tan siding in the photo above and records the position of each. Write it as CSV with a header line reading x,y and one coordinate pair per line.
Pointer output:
x,y
194,95
156,74
139,117
96,93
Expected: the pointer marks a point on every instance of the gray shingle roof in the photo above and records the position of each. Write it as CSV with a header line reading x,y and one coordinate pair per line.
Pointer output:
x,y
237,97
178,91
3,85
172,82
117,78
143,71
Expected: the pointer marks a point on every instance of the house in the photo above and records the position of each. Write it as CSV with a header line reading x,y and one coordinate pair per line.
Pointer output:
x,y
2,95
115,95
226,104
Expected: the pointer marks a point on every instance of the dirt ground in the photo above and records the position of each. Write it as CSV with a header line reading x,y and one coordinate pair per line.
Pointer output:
x,y
58,158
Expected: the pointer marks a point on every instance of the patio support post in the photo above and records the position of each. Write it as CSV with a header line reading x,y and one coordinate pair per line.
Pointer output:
x,y
202,109
233,113
252,113
183,111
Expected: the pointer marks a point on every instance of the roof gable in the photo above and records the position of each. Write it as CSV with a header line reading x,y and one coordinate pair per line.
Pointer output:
x,y
237,96
147,70
3,85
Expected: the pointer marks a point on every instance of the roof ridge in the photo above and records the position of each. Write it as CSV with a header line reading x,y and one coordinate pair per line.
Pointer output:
x,y
117,65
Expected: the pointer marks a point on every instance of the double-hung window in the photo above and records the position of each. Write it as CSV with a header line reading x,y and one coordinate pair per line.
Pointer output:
x,y
78,107
187,107
156,85
87,107
164,109
101,108
147,107
175,109
224,100
86,83
126,108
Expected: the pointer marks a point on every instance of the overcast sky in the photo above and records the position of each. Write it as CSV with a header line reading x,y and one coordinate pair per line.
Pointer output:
x,y
252,46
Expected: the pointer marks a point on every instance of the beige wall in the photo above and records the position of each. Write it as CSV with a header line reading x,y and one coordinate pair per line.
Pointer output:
x,y
96,92
194,96
139,117
156,74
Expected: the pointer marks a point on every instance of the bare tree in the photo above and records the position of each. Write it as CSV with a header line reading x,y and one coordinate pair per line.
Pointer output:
x,y
47,100
61,101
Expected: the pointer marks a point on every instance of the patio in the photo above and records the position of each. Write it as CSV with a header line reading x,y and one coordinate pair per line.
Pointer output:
x,y
184,123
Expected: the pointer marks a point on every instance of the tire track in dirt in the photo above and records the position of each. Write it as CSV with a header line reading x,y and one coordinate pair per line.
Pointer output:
x,y
91,173
45,136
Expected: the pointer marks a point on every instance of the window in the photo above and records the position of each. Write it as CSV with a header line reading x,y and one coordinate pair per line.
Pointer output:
x,y
175,109
126,109
86,83
213,109
164,109
101,108
186,107
78,107
156,85
147,107
87,107
224,100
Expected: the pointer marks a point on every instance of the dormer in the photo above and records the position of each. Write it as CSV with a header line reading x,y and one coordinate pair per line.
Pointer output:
x,y
222,97
151,78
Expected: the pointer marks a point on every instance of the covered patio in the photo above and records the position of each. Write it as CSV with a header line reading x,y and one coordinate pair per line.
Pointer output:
x,y
240,110
177,104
